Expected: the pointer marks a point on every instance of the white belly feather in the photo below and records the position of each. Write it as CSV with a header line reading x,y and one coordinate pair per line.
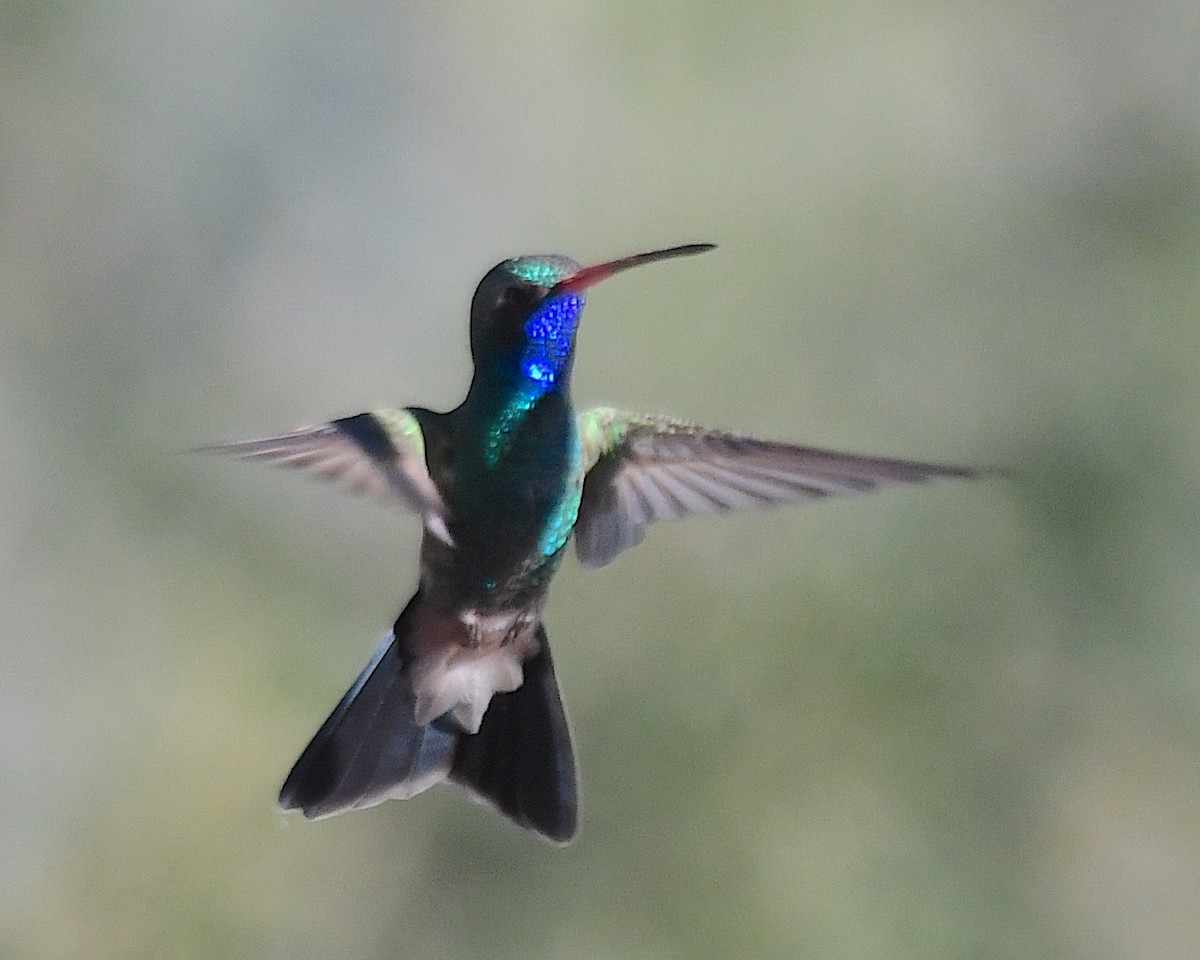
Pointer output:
x,y
460,678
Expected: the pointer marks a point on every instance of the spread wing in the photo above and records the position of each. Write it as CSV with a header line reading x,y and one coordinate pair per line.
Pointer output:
x,y
646,468
380,453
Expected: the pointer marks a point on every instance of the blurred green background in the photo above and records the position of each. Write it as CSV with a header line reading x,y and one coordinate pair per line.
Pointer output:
x,y
960,721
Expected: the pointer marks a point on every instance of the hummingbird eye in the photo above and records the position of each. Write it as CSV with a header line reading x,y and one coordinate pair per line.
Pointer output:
x,y
520,296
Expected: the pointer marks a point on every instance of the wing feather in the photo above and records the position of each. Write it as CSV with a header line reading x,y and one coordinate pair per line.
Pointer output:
x,y
381,454
643,468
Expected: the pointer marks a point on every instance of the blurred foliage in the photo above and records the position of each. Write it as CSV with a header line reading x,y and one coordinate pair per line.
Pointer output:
x,y
951,722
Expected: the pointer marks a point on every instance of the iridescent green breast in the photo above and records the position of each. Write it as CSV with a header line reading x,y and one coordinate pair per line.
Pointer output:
x,y
561,521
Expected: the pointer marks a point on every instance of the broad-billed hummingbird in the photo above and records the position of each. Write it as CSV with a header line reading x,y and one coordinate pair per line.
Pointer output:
x,y
462,687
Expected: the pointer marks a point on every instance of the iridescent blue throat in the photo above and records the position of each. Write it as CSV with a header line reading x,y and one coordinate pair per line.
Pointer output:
x,y
545,362
549,338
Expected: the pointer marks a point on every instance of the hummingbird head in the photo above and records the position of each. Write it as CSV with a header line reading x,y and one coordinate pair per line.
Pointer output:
x,y
508,296
526,311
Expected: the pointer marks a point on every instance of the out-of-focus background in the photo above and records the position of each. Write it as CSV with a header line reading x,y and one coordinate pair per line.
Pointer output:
x,y
960,721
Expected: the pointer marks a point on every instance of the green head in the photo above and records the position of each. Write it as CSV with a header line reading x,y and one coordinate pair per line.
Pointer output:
x,y
525,312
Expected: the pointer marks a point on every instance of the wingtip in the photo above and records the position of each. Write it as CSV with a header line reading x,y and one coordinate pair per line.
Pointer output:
x,y
435,523
228,448
204,448
972,472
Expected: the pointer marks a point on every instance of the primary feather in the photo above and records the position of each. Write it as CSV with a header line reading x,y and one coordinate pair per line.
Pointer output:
x,y
645,468
381,453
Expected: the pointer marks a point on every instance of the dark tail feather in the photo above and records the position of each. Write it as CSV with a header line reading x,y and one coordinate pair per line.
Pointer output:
x,y
521,759
370,749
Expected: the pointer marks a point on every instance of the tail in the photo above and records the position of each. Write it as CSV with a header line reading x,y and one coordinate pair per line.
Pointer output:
x,y
371,749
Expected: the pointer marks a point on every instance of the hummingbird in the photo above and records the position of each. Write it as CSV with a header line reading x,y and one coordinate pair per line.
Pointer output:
x,y
462,688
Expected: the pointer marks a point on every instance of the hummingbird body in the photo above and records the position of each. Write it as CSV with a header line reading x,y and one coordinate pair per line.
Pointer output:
x,y
463,688
507,465
512,495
